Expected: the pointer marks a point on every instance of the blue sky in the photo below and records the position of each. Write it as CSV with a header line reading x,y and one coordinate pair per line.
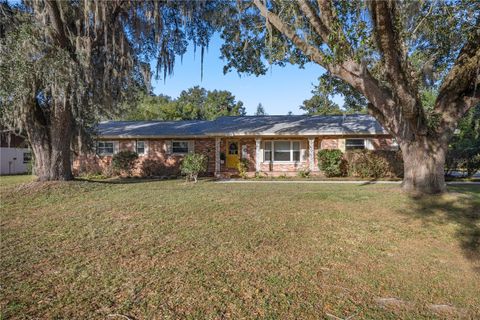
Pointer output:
x,y
281,90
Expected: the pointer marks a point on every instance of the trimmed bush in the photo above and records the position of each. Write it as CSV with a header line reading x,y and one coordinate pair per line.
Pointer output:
x,y
156,168
374,164
242,167
192,165
124,161
331,162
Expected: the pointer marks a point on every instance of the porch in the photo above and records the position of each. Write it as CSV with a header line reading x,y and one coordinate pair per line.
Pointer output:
x,y
269,156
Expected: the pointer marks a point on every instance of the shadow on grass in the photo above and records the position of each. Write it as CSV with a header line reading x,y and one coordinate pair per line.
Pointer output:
x,y
122,180
376,181
461,206
137,180
371,181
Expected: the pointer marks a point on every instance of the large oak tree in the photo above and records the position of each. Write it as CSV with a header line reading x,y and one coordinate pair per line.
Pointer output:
x,y
65,64
387,51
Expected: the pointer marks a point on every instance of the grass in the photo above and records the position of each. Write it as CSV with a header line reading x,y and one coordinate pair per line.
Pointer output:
x,y
166,249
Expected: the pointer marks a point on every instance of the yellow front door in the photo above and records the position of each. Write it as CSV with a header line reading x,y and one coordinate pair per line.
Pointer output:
x,y
232,154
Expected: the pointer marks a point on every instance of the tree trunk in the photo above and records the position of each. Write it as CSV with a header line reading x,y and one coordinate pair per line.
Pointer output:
x,y
424,163
50,141
52,159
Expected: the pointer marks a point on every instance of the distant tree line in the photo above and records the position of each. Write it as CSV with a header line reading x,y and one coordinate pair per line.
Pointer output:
x,y
195,103
321,102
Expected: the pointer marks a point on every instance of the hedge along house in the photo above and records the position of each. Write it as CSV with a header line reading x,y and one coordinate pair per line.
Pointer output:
x,y
271,145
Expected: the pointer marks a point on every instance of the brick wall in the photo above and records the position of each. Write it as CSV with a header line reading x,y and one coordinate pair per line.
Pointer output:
x,y
157,161
207,148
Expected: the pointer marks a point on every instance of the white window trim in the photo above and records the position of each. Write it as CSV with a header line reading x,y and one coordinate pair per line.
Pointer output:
x,y
272,150
362,139
144,147
29,156
181,153
103,153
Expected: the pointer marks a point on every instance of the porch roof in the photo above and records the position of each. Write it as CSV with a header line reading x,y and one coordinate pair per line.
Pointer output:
x,y
245,125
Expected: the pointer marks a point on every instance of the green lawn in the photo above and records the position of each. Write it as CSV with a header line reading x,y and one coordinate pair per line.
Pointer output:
x,y
165,249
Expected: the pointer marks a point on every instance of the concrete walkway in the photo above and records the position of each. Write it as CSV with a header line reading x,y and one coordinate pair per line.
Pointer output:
x,y
334,182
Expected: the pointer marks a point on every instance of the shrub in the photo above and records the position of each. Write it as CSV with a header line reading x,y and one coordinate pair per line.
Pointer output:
x,y
374,164
462,160
331,162
192,165
108,171
155,168
472,165
261,175
124,161
242,167
304,173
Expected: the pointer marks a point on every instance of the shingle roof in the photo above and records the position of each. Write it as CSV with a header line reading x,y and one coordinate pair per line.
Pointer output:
x,y
152,128
246,125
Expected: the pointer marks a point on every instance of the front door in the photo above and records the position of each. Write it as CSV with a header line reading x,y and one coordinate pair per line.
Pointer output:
x,y
232,154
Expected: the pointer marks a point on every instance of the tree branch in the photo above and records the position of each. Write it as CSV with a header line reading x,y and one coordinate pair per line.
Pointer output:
x,y
383,16
327,14
314,53
462,81
314,20
60,36
349,70
460,89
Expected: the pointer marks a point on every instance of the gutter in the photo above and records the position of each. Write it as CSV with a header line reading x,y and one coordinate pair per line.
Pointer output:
x,y
220,135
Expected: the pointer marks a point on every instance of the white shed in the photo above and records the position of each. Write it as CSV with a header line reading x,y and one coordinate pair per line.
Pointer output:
x,y
14,160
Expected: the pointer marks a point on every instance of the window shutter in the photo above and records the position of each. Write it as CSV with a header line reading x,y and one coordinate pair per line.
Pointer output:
x,y
168,146
369,144
303,151
341,144
244,151
261,152
145,143
191,146
116,147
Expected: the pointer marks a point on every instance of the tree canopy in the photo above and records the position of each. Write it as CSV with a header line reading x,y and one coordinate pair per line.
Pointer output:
x,y
193,104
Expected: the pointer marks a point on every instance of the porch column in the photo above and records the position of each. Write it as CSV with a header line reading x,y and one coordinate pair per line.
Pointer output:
x,y
311,153
257,154
217,156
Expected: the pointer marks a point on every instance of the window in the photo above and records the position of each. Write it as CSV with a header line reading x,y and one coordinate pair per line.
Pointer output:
x,y
104,148
180,146
233,148
394,144
281,151
267,151
140,147
296,150
354,144
27,157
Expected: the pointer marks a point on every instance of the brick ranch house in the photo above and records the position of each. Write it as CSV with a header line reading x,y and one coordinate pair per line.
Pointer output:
x,y
272,145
